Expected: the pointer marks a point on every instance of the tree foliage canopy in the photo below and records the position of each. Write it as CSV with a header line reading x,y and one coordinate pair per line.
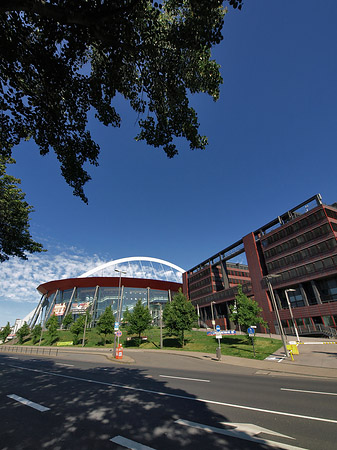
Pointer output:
x,y
52,325
23,332
245,310
36,333
61,59
5,332
139,319
179,316
106,322
15,239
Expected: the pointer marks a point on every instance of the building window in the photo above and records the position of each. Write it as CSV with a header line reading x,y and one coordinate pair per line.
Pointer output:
x,y
327,289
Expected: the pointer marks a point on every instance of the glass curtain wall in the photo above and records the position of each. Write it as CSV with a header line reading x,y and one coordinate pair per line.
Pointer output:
x,y
85,299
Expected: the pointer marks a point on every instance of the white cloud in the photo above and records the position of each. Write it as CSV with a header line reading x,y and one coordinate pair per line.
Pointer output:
x,y
19,279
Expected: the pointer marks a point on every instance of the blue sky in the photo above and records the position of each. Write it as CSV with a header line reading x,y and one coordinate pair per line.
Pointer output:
x,y
272,144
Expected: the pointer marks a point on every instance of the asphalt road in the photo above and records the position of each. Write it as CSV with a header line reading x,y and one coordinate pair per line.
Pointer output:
x,y
161,402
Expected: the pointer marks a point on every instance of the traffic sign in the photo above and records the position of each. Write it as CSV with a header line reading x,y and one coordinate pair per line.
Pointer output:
x,y
118,333
213,333
217,328
116,326
251,331
218,335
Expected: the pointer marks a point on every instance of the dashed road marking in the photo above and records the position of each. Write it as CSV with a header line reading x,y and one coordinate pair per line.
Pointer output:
x,y
308,392
26,402
182,378
128,443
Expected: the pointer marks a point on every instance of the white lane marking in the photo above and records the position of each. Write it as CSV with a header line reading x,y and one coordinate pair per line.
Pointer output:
x,y
182,378
183,397
253,430
28,403
128,443
12,357
236,434
308,392
66,365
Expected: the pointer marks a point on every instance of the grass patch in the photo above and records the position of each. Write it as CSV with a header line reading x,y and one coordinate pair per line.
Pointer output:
x,y
195,341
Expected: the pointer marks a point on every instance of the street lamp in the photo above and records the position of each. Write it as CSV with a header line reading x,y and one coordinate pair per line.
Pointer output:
x,y
291,311
213,321
272,296
119,306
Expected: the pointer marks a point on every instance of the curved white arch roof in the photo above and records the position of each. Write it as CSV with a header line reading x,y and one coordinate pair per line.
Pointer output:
x,y
134,267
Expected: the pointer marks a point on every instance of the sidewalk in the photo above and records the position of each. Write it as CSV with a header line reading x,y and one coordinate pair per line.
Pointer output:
x,y
316,359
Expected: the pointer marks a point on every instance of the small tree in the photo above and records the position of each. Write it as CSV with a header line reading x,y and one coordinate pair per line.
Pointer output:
x,y
138,320
5,332
179,316
246,311
52,326
36,333
67,321
126,318
106,323
77,327
23,332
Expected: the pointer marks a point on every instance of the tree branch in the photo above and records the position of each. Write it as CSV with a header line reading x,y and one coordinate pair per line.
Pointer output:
x,y
99,16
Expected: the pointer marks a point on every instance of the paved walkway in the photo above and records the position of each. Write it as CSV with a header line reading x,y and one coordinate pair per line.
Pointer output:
x,y
317,357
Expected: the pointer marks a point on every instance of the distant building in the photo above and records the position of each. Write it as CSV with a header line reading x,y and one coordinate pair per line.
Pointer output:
x,y
119,284
296,252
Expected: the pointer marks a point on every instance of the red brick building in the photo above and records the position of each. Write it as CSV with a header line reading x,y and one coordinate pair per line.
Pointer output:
x,y
297,252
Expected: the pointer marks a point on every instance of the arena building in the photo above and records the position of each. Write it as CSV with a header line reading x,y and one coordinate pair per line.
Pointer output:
x,y
120,283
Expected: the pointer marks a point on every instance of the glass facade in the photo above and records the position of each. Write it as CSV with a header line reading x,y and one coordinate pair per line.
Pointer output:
x,y
96,299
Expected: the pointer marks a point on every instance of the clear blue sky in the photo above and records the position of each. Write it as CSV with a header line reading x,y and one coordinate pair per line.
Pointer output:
x,y
272,144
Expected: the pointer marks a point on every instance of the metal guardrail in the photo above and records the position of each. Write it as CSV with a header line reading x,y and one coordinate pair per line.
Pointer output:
x,y
29,350
312,329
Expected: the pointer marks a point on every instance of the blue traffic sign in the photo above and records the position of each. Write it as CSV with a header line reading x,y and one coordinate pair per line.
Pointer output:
x,y
251,331
217,328
213,333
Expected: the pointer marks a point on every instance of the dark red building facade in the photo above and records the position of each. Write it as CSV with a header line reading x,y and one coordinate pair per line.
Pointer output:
x,y
296,252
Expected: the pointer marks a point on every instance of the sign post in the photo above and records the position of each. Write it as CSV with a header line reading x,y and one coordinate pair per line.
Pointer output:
x,y
218,335
251,333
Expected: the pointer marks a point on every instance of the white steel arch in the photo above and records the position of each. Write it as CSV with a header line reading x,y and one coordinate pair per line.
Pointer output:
x,y
131,258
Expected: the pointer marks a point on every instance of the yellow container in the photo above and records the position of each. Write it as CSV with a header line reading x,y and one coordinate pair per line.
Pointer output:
x,y
293,348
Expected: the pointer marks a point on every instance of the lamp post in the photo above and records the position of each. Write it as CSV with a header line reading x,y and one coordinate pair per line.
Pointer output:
x,y
291,311
272,296
119,306
161,325
213,321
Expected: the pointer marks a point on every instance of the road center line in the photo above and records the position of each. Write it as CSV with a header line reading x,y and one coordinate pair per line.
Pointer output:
x,y
308,392
182,378
28,403
183,397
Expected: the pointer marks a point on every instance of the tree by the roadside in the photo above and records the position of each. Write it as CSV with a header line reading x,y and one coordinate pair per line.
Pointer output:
x,y
15,239
23,332
5,332
63,59
77,328
138,320
106,323
36,333
67,321
245,311
179,316
126,318
52,326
